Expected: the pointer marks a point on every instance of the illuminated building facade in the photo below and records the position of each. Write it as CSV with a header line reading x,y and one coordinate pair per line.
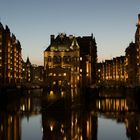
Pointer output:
x,y
88,59
131,64
137,42
61,63
125,69
10,126
10,57
112,72
26,71
70,61
37,73
132,53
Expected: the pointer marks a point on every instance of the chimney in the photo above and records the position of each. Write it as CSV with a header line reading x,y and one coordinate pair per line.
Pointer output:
x,y
138,19
52,37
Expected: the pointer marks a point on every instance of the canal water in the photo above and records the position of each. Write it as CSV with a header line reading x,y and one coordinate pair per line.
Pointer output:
x,y
102,115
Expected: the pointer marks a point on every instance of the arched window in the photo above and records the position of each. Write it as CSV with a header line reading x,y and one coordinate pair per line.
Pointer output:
x,y
49,59
57,59
66,59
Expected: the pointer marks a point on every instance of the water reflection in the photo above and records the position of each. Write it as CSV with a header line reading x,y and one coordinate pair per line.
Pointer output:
x,y
111,114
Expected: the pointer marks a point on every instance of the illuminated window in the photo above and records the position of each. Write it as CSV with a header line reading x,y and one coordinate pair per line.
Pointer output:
x,y
51,92
80,58
80,70
64,74
50,74
59,82
9,44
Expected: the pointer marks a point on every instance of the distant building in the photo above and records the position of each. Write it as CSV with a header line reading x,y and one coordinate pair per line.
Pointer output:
x,y
37,74
10,57
125,69
112,72
26,71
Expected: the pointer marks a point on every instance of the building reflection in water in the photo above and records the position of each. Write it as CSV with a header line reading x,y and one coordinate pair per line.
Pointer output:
x,y
80,122
10,128
74,124
66,120
12,110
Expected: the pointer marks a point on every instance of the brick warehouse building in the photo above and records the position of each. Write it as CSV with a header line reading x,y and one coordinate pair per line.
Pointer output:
x,y
10,57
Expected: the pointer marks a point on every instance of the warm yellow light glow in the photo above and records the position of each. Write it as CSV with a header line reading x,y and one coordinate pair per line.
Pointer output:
x,y
29,104
99,105
11,118
87,67
50,74
23,107
62,93
62,125
77,77
60,82
51,93
1,127
51,127
88,128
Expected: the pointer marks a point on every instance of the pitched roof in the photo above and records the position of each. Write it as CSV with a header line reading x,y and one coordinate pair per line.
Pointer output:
x,y
63,43
1,26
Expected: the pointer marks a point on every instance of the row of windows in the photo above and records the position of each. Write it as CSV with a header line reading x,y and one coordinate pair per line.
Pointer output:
x,y
65,59
60,74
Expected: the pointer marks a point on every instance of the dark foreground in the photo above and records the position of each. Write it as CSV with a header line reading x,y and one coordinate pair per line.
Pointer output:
x,y
98,115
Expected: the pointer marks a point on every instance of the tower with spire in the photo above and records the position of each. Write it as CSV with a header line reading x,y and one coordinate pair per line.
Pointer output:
x,y
137,42
28,70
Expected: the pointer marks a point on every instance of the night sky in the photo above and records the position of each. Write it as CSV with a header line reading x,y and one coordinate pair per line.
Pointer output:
x,y
112,22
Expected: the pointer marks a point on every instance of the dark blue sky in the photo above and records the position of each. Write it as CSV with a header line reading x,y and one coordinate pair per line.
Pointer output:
x,y
112,22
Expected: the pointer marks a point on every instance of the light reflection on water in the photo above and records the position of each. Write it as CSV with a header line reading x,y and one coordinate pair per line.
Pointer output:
x,y
102,117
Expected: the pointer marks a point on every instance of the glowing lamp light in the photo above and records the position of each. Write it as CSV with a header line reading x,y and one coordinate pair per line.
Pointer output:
x,y
51,93
51,127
